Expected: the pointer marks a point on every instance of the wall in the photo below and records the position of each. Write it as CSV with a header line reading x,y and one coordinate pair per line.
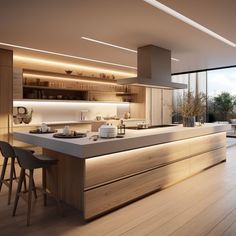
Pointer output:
x,y
71,111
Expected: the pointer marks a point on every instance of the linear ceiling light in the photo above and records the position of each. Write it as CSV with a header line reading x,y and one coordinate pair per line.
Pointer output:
x,y
116,46
108,44
185,19
65,55
69,65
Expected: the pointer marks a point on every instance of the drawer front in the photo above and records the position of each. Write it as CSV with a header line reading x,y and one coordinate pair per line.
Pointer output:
x,y
116,166
203,161
107,197
119,165
207,143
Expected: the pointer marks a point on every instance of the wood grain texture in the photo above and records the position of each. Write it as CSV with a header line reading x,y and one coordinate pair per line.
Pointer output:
x,y
107,197
70,171
6,90
137,107
132,162
167,106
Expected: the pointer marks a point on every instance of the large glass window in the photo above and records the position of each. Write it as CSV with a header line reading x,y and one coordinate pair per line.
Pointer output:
x,y
196,83
218,85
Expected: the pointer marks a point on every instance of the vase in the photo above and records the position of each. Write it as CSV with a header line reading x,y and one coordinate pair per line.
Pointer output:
x,y
189,121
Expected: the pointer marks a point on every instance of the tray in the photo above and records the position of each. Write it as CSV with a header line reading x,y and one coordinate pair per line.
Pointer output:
x,y
76,135
37,131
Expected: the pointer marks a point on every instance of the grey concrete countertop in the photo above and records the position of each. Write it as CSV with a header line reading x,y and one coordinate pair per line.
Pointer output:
x,y
87,148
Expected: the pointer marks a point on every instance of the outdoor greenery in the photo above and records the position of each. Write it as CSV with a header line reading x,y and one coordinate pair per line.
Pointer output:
x,y
191,105
221,107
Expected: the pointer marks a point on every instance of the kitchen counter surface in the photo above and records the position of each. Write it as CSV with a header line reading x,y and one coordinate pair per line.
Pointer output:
x,y
87,148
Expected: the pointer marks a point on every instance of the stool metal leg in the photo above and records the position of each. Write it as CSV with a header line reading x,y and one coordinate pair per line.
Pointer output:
x,y
44,180
22,176
25,186
34,189
30,196
3,172
11,179
14,172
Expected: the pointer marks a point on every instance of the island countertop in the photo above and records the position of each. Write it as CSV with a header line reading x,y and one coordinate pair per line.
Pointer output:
x,y
87,148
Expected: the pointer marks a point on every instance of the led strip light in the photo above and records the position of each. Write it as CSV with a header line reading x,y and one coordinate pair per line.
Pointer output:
x,y
64,55
187,20
116,46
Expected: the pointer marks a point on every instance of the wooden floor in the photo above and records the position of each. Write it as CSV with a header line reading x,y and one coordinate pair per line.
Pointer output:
x,y
204,204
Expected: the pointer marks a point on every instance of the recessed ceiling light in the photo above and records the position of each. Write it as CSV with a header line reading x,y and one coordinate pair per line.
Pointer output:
x,y
116,46
65,55
185,19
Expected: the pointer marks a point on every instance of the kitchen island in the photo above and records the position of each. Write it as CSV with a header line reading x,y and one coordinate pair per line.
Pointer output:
x,y
99,176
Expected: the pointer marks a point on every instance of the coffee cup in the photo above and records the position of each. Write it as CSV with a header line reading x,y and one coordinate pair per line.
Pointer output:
x,y
66,130
44,127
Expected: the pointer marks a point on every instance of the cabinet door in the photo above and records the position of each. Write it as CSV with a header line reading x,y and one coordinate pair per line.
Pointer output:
x,y
153,106
159,106
167,106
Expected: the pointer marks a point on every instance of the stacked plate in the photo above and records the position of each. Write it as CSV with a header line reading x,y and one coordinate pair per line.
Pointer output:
x,y
107,131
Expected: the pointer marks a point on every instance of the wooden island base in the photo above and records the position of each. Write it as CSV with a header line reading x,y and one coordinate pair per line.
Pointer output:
x,y
100,184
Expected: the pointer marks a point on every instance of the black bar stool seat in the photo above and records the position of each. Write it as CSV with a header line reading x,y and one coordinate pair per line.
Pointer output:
x,y
30,162
8,152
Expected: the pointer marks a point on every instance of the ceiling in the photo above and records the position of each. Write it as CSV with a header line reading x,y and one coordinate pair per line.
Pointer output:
x,y
57,25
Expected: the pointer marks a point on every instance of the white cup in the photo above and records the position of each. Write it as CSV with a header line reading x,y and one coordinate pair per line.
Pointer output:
x,y
44,127
66,130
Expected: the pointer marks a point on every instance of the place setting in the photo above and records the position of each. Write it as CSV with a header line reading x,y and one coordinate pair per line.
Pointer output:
x,y
43,129
67,133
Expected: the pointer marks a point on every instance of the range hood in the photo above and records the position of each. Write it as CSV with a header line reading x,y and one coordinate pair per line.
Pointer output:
x,y
154,69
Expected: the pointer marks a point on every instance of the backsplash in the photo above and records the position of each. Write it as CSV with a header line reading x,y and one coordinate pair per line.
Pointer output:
x,y
57,111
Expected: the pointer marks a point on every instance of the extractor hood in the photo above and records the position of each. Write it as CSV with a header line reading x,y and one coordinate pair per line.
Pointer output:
x,y
154,69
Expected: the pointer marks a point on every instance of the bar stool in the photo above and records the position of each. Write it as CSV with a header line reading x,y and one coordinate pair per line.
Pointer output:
x,y
30,162
8,152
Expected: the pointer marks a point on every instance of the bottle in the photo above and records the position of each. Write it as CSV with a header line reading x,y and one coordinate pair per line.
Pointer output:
x,y
121,128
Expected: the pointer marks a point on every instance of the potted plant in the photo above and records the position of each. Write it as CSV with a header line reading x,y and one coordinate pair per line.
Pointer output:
x,y
190,106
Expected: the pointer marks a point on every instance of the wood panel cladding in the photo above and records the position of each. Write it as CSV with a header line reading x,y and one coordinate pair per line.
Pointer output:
x,y
70,174
98,185
107,197
6,85
132,162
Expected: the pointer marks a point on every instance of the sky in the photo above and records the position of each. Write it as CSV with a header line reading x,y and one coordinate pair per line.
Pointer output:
x,y
223,80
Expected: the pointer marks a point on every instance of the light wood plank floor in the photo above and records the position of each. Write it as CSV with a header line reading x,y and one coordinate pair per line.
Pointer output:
x,y
204,204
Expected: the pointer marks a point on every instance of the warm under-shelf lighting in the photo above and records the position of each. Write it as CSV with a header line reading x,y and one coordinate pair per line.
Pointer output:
x,y
64,103
69,65
64,78
116,46
187,20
